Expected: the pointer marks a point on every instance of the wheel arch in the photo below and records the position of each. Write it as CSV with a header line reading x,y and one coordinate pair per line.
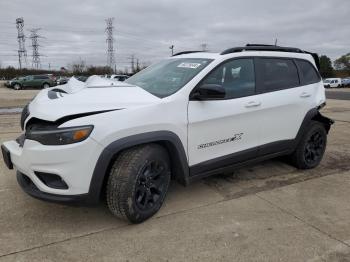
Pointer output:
x,y
45,83
167,139
16,83
313,115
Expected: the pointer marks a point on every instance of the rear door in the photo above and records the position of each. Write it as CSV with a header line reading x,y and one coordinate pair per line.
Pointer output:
x,y
226,131
39,80
28,81
284,102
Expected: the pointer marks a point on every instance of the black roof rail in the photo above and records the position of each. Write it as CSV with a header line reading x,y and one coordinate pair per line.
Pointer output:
x,y
186,52
255,47
258,45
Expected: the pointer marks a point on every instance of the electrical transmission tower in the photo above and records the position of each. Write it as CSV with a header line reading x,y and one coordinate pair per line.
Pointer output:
x,y
36,56
22,53
204,47
110,41
132,63
172,49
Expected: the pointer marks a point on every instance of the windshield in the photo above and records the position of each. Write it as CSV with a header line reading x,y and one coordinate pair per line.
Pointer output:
x,y
169,76
326,81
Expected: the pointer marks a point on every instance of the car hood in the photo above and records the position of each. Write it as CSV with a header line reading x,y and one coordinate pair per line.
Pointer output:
x,y
95,95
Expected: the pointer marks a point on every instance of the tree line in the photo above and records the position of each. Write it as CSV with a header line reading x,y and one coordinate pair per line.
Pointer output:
x,y
77,68
341,66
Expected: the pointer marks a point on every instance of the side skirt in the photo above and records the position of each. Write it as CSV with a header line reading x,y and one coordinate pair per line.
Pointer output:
x,y
240,159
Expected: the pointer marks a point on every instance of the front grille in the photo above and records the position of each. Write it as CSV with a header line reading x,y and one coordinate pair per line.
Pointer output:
x,y
24,115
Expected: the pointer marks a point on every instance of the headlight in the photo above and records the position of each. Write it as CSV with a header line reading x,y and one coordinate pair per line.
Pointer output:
x,y
60,136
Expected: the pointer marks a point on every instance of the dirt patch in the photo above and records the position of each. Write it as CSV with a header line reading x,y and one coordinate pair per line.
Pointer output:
x,y
273,174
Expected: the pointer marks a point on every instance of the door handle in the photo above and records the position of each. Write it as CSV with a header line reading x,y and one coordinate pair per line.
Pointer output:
x,y
305,94
252,104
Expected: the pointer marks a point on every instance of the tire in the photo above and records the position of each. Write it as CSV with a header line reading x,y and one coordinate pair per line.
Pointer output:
x,y
311,148
46,85
17,86
138,182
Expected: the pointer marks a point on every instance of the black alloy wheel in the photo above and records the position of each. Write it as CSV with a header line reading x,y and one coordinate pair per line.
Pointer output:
x,y
151,185
314,148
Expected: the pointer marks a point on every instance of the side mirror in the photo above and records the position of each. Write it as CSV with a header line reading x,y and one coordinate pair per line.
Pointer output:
x,y
208,92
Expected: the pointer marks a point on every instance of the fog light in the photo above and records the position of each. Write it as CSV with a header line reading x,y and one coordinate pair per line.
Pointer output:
x,y
51,180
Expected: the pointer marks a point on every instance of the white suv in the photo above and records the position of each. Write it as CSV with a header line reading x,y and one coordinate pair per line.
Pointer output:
x,y
189,116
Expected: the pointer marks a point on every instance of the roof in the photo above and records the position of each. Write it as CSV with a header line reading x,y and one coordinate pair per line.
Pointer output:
x,y
256,50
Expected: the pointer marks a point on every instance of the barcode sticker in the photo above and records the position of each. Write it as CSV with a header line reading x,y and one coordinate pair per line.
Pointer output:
x,y
189,65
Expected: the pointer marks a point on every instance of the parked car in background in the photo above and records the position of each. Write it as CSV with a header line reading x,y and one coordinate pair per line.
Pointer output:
x,y
81,78
61,80
8,83
36,81
345,82
332,82
119,77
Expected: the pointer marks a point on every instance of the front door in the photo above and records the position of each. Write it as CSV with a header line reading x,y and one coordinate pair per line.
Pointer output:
x,y
222,132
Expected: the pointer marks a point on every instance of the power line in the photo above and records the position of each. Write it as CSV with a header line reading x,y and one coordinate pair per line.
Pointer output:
x,y
110,40
22,53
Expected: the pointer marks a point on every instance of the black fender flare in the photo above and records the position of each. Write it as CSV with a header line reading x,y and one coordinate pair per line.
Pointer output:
x,y
168,139
313,115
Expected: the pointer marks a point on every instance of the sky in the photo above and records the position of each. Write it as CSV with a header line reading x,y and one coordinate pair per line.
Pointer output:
x,y
75,30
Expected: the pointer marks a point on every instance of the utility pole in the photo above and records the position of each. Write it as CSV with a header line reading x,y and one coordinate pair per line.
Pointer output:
x,y
36,56
22,53
137,65
132,62
204,47
110,40
275,41
172,49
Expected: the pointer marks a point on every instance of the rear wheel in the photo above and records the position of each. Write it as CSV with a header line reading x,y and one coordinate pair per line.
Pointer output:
x,y
17,86
46,85
311,148
138,182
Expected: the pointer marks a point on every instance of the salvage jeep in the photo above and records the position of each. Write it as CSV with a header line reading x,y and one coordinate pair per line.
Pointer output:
x,y
189,116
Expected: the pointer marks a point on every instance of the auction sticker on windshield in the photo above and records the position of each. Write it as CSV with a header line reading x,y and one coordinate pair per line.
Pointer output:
x,y
189,65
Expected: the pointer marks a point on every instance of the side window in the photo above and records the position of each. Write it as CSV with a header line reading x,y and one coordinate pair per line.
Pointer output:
x,y
277,74
308,73
41,77
237,77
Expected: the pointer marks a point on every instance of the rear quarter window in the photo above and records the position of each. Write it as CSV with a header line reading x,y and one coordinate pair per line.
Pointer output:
x,y
308,73
41,77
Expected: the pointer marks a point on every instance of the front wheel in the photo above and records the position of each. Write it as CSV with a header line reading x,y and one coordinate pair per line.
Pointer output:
x,y
46,85
17,86
138,182
311,148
